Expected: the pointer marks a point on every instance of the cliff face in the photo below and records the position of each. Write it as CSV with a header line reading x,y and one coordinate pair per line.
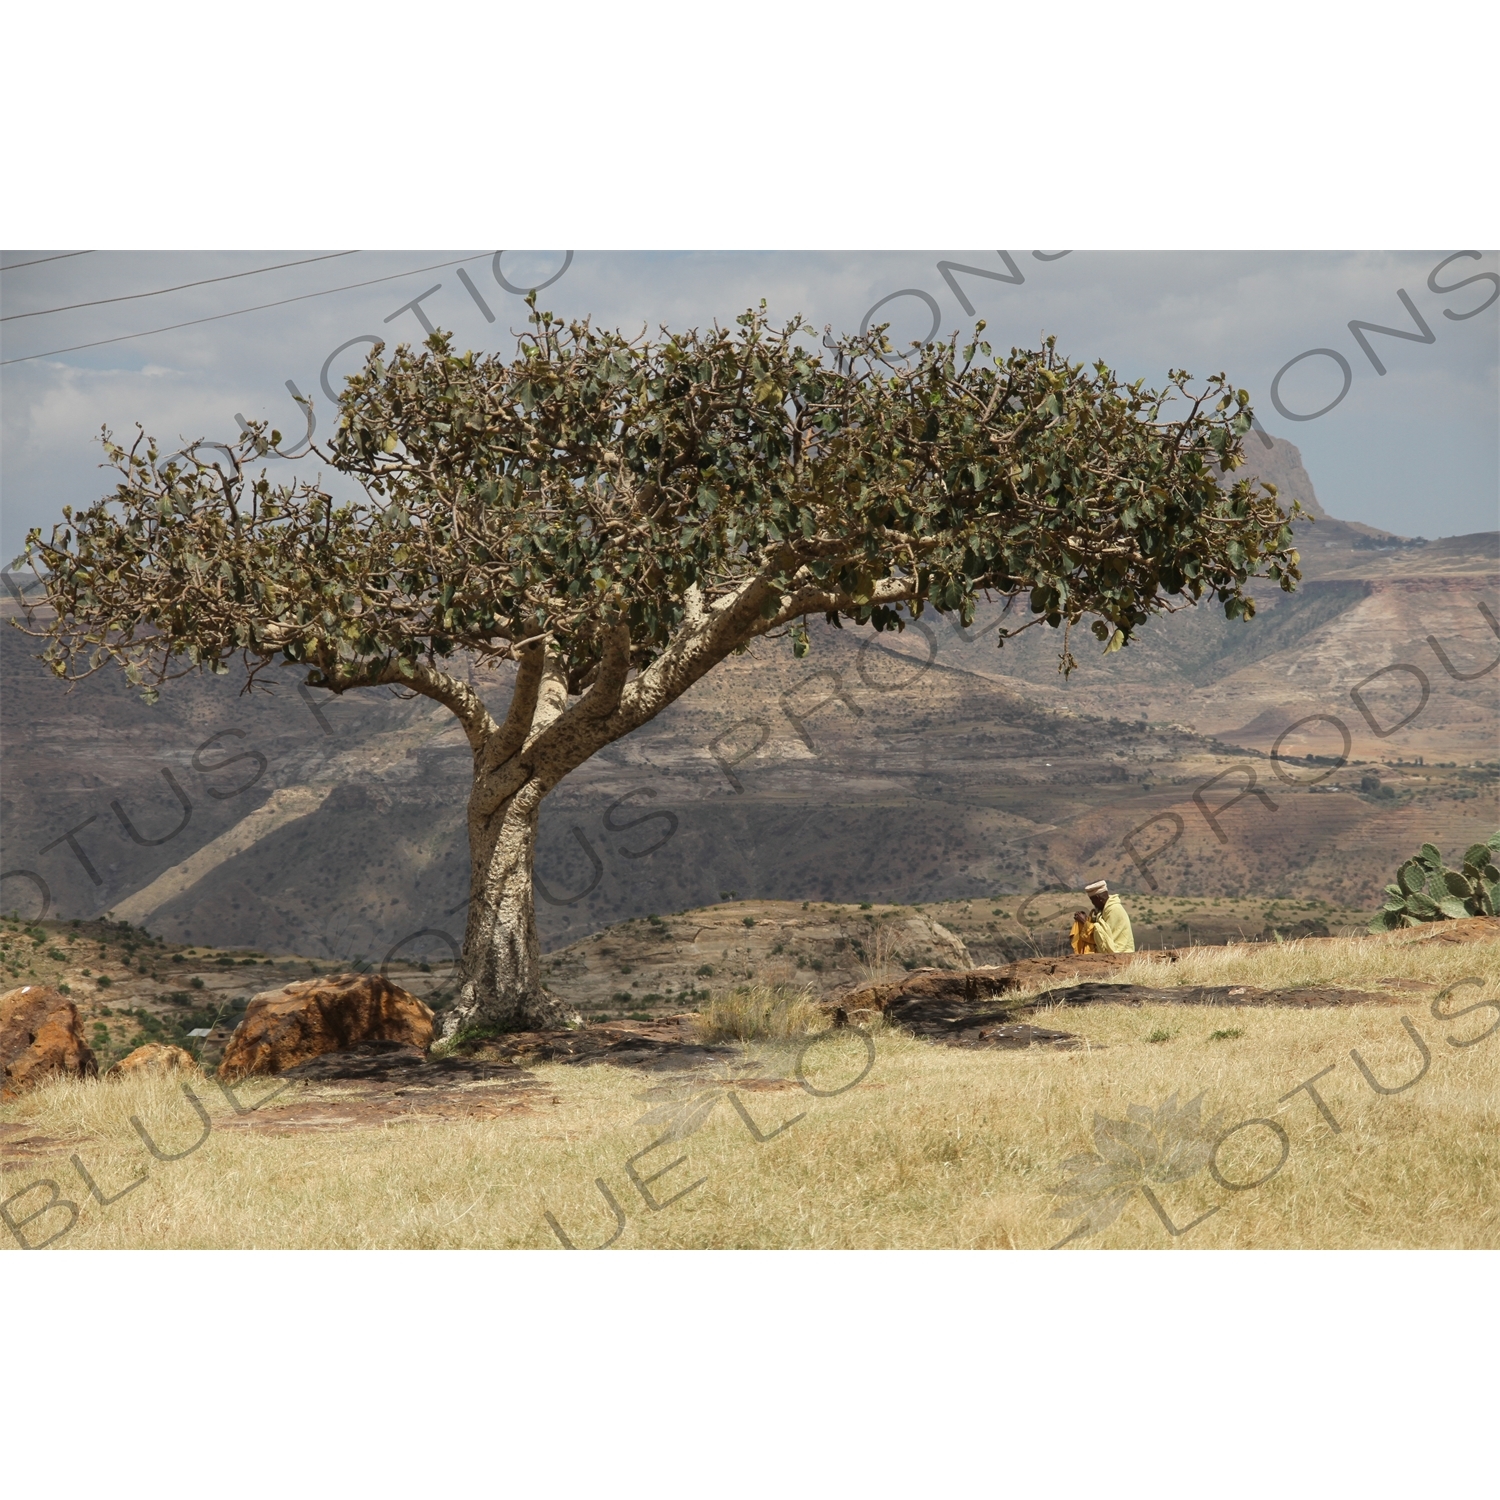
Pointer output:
x,y
1281,465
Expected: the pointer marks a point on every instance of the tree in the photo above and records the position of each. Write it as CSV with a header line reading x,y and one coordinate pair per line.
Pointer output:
x,y
615,516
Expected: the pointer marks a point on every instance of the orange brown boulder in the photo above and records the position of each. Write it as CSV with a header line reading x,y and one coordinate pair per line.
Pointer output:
x,y
304,1020
40,1037
154,1057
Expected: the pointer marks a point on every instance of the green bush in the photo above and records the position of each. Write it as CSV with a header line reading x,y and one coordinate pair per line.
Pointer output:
x,y
1426,891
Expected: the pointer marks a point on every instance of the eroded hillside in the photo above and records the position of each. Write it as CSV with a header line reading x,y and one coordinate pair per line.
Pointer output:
x,y
920,768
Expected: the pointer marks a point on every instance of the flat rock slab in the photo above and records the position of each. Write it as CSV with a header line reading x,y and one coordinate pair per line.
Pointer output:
x,y
403,1065
1226,995
981,1024
971,985
654,1046
958,1025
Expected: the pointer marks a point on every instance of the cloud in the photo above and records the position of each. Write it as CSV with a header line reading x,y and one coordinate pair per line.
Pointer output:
x,y
1419,440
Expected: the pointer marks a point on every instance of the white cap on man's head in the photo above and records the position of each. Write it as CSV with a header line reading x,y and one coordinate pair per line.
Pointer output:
x,y
1099,887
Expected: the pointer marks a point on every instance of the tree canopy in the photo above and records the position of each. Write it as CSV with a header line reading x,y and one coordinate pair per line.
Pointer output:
x,y
616,516
595,481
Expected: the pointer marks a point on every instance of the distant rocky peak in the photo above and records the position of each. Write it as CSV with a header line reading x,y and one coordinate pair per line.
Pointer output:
x,y
1281,465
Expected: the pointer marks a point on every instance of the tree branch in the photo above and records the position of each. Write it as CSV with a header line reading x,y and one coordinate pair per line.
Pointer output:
x,y
458,697
531,660
551,698
603,698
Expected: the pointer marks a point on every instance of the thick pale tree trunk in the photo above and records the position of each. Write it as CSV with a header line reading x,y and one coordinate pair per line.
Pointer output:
x,y
518,762
500,974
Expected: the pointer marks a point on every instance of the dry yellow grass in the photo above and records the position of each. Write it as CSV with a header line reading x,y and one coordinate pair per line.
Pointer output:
x,y
1348,963
935,1147
758,1012
883,953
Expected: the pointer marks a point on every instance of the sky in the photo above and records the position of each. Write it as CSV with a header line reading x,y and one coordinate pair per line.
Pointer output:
x,y
1415,450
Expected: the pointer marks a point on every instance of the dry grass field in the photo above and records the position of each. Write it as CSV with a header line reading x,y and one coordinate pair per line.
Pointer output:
x,y
931,1147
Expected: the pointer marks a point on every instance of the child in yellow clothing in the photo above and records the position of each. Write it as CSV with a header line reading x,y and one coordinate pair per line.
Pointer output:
x,y
1107,928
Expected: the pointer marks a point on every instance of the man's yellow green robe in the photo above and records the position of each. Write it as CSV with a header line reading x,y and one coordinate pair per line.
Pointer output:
x,y
1109,932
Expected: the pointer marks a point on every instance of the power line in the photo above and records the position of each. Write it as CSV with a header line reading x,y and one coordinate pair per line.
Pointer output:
x,y
240,311
162,292
43,261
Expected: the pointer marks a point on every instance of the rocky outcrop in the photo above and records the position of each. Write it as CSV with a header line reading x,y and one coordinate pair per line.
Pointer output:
x,y
289,1026
1462,930
154,1057
40,1037
970,985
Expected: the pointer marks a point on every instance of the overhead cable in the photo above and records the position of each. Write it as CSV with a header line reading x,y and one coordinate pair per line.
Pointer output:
x,y
240,311
46,312
16,265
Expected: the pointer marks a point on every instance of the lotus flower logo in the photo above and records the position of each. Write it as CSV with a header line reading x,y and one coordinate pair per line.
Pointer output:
x,y
682,1105
1169,1144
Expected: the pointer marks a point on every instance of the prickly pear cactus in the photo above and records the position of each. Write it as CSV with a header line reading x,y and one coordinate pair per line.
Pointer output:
x,y
1426,891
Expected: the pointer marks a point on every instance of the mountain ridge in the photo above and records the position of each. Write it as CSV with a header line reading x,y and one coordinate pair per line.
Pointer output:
x,y
915,766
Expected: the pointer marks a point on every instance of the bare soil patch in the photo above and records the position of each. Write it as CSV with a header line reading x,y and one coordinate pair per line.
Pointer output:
x,y
377,1083
380,1083
20,1147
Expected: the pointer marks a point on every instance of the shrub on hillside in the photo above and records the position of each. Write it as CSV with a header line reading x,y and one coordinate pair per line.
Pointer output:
x,y
1427,891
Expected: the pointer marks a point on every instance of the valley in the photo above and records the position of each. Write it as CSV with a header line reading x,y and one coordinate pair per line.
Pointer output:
x,y
926,767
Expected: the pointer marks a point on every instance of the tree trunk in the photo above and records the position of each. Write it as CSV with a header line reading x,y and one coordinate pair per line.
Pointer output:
x,y
500,974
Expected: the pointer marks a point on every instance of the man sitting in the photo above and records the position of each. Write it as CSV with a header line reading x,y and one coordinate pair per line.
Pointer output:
x,y
1107,928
